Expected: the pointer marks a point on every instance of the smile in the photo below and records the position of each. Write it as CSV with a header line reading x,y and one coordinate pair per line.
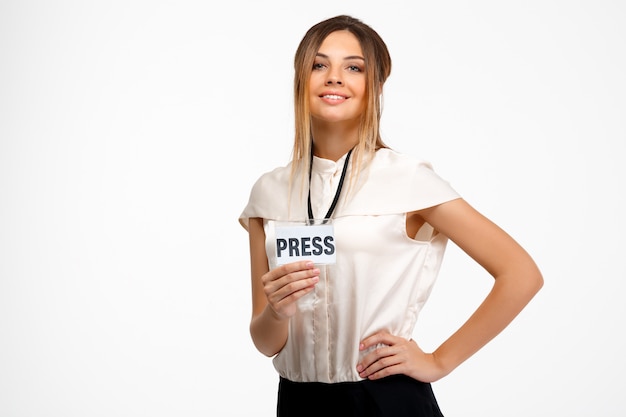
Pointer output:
x,y
334,97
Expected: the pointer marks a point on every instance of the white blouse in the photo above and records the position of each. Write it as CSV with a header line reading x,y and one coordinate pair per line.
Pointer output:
x,y
381,278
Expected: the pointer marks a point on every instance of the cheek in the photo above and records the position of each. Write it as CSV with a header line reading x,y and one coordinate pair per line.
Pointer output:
x,y
362,87
359,87
314,82
315,79
363,94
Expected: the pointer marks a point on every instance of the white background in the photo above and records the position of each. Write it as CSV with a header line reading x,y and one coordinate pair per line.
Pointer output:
x,y
132,131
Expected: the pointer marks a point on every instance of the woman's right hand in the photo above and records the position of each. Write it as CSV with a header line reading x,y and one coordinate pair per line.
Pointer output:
x,y
286,284
275,292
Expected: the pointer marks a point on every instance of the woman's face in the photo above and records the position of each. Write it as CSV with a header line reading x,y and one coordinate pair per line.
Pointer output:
x,y
338,82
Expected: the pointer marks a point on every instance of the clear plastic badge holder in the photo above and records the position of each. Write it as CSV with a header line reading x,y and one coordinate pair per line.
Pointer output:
x,y
311,241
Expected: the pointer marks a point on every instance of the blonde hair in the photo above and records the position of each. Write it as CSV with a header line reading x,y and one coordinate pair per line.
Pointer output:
x,y
377,69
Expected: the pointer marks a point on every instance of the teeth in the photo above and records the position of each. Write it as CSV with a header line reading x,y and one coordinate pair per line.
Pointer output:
x,y
333,97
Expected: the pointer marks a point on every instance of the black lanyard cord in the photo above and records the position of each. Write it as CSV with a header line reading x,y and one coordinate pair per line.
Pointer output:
x,y
339,187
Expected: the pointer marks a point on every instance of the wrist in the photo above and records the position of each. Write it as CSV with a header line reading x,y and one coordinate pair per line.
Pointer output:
x,y
443,363
275,316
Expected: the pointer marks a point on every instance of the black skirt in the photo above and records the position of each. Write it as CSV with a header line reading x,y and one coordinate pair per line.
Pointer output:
x,y
394,396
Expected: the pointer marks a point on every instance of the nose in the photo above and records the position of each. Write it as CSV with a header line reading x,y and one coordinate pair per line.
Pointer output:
x,y
334,78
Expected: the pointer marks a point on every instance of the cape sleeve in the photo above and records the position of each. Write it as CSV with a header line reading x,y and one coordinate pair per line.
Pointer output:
x,y
270,199
391,183
398,183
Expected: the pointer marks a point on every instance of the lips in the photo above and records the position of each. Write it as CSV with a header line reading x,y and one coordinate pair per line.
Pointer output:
x,y
333,97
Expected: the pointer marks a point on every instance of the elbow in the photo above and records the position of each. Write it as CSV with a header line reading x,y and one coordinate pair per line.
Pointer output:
x,y
535,277
264,348
539,282
523,283
533,282
262,343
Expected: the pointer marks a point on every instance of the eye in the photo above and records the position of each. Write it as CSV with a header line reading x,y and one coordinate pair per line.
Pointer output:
x,y
355,68
318,66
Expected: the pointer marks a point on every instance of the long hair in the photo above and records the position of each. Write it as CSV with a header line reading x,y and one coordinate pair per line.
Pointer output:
x,y
377,69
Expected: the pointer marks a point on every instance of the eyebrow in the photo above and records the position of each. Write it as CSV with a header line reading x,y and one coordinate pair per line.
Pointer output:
x,y
345,58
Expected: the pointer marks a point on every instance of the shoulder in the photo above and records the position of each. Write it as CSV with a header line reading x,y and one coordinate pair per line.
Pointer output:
x,y
394,182
271,196
388,162
388,154
271,180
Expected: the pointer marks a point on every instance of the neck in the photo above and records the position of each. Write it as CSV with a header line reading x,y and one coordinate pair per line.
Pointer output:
x,y
333,142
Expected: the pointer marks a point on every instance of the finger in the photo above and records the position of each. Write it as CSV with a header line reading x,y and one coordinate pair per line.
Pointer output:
x,y
378,360
279,277
373,357
382,337
299,280
387,371
292,267
292,288
281,302
291,271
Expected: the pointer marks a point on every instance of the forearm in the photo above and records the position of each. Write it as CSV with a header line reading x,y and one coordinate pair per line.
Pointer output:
x,y
269,332
509,295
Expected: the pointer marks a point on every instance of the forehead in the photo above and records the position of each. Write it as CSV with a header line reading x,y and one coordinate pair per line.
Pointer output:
x,y
341,42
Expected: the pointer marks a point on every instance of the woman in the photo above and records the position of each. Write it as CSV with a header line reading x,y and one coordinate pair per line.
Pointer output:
x,y
340,332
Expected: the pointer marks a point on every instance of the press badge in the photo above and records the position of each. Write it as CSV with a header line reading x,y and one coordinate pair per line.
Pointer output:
x,y
299,242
